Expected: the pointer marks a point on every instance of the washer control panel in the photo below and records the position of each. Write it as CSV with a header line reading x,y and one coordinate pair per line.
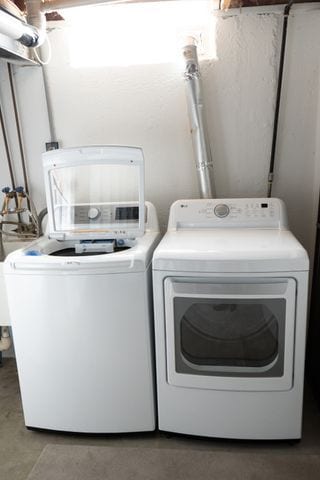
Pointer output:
x,y
104,213
239,212
99,215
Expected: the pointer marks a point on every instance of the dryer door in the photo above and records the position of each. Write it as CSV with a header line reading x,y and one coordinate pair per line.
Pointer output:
x,y
235,335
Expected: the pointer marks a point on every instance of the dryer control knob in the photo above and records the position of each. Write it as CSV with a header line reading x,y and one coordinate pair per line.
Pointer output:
x,y
93,213
221,210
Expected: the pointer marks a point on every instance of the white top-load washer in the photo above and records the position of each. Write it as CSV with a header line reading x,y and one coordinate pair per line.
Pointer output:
x,y
80,297
230,296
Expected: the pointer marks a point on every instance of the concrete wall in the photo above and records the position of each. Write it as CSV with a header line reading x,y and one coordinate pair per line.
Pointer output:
x,y
145,105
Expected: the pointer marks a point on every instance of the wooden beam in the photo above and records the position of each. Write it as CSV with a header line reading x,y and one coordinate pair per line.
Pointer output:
x,y
226,4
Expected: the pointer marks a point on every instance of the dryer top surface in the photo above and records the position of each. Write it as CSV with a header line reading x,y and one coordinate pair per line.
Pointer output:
x,y
230,249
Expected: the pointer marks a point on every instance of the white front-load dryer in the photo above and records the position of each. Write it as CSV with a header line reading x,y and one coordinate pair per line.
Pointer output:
x,y
82,314
230,297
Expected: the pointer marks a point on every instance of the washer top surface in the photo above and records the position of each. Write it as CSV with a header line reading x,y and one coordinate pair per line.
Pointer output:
x,y
227,239
38,258
134,259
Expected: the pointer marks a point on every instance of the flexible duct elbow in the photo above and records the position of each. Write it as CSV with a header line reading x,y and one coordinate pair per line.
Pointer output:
x,y
5,342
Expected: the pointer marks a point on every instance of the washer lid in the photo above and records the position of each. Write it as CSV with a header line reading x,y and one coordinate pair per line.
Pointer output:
x,y
230,250
95,192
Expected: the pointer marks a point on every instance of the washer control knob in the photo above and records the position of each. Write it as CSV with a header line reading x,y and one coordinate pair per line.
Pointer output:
x,y
93,213
221,210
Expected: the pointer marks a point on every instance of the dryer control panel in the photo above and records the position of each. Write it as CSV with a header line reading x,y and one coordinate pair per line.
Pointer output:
x,y
232,212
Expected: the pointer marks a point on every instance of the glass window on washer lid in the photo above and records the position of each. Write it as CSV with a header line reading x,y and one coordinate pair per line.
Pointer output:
x,y
95,192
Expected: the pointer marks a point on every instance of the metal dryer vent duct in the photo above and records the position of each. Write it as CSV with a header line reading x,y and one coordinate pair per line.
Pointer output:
x,y
198,126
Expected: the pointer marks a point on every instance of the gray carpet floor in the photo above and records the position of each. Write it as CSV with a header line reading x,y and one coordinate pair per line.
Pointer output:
x,y
70,462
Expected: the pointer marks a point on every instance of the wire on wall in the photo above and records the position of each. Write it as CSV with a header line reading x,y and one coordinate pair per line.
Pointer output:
x,y
49,52
286,13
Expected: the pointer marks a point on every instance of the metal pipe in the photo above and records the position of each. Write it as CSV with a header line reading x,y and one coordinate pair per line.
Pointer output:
x,y
6,146
18,128
53,135
41,216
2,253
198,126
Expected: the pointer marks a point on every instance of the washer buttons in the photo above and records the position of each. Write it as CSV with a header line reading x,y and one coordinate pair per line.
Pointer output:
x,y
221,210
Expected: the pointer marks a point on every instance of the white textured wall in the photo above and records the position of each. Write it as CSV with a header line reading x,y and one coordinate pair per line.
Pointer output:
x,y
297,169
145,105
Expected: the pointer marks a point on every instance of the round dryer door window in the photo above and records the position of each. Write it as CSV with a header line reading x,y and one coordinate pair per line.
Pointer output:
x,y
238,336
